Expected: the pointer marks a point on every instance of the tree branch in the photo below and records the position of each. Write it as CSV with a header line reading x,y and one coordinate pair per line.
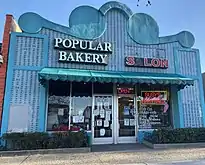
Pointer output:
x,y
148,2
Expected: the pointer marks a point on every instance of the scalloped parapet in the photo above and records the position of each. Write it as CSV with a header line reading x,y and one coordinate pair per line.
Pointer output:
x,y
86,22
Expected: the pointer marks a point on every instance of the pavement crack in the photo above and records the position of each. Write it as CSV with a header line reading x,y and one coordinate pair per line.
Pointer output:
x,y
25,159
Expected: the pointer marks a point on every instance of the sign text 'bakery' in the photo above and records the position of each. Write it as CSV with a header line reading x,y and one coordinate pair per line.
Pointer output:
x,y
83,51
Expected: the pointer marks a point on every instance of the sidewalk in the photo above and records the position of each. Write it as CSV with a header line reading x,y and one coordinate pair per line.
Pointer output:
x,y
144,157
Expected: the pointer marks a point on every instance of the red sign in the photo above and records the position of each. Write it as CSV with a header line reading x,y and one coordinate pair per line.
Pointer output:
x,y
146,62
125,90
154,97
158,102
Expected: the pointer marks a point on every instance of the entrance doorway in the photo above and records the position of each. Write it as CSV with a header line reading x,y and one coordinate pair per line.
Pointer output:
x,y
127,122
102,119
114,121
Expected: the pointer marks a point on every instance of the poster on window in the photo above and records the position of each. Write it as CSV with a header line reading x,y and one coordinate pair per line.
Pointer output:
x,y
102,113
126,122
60,111
96,112
102,132
106,105
132,122
99,122
78,119
106,123
126,110
107,115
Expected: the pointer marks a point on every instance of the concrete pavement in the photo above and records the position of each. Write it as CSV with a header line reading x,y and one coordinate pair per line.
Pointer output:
x,y
144,157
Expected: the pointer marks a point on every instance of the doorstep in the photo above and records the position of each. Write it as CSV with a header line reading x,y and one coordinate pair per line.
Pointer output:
x,y
45,151
173,145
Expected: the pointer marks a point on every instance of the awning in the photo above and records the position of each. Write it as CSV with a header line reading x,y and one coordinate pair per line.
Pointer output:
x,y
113,77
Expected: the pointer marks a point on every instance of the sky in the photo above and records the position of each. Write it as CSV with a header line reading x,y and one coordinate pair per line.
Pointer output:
x,y
172,16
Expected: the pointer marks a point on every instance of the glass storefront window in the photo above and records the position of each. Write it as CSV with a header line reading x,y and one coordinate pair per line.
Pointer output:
x,y
81,106
153,117
58,106
62,117
154,110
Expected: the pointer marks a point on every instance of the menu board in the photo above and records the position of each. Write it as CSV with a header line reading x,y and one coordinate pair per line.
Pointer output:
x,y
153,116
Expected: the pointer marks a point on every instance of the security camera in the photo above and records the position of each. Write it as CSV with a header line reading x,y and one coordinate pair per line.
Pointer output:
x,y
1,59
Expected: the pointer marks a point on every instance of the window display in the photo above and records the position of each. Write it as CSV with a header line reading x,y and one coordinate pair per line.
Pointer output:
x,y
81,108
62,117
154,110
58,106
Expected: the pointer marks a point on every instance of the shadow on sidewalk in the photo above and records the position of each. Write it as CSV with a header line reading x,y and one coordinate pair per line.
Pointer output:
x,y
119,147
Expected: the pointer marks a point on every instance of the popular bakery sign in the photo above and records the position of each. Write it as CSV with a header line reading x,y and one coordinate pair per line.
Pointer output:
x,y
146,62
83,51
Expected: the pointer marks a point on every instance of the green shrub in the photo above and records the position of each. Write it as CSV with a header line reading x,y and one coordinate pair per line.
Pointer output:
x,y
30,141
180,135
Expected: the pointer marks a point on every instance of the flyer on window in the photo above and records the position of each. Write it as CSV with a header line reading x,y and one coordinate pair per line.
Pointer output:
x,y
107,115
80,119
75,119
96,112
60,111
99,122
106,105
102,113
102,132
106,123
132,122
126,122
126,110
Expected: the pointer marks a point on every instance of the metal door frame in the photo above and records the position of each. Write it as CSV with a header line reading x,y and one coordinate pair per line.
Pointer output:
x,y
127,139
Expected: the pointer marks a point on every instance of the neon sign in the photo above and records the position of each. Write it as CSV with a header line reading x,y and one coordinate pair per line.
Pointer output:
x,y
125,90
154,97
146,62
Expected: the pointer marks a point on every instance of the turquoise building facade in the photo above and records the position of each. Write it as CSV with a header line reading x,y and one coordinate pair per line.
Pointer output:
x,y
34,61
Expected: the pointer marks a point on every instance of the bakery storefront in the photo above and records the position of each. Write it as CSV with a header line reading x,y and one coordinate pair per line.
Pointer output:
x,y
107,73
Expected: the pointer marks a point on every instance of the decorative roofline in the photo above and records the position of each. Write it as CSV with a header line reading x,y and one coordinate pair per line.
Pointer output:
x,y
91,24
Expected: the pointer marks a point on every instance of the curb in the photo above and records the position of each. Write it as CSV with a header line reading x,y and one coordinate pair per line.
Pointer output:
x,y
173,145
45,151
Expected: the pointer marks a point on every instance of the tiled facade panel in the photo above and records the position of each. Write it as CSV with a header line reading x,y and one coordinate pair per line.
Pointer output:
x,y
192,109
29,51
26,91
190,96
187,63
123,46
25,85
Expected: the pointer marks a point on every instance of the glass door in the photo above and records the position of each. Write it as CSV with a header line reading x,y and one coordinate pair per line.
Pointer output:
x,y
126,119
102,125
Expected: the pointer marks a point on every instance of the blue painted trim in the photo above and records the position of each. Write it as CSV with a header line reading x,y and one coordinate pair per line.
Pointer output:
x,y
42,109
43,91
198,78
9,78
180,108
200,82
